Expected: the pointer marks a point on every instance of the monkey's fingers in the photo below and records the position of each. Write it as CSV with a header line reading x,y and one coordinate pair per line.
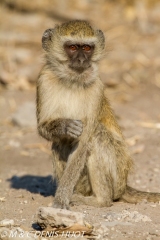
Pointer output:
x,y
77,123
75,128
73,133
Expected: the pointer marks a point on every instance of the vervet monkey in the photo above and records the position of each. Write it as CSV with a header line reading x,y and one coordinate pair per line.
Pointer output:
x,y
90,158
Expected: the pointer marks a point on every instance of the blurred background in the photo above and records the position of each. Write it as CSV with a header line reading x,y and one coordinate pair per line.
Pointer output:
x,y
131,28
130,71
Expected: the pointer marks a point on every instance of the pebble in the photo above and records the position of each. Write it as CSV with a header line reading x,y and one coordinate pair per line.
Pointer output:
x,y
7,223
25,116
50,204
2,199
14,143
47,216
101,230
156,170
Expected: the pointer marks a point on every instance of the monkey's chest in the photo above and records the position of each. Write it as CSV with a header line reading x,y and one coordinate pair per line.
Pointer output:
x,y
61,102
69,104
72,107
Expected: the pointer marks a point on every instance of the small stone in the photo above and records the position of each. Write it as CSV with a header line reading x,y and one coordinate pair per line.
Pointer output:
x,y
2,199
138,181
153,205
156,170
101,229
153,232
50,204
25,115
14,143
7,223
54,217
149,238
146,219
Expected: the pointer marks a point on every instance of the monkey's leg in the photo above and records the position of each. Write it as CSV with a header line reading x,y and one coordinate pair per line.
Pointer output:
x,y
99,171
101,189
101,185
108,167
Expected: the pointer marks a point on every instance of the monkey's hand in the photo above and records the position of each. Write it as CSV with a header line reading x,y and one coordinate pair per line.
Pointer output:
x,y
73,128
61,128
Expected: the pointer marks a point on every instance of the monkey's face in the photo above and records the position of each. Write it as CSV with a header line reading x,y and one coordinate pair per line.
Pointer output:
x,y
79,55
73,49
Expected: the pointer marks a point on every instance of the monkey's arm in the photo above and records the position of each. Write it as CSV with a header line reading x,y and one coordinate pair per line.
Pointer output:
x,y
60,128
107,118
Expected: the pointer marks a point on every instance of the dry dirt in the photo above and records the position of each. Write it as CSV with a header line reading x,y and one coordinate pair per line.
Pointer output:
x,y
130,72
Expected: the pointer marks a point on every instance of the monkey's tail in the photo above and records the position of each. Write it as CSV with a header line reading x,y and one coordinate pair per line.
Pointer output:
x,y
132,195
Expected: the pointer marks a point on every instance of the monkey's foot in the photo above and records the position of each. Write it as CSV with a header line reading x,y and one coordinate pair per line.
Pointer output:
x,y
78,199
60,205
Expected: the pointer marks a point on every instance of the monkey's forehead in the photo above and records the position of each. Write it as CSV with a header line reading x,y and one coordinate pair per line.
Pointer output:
x,y
76,28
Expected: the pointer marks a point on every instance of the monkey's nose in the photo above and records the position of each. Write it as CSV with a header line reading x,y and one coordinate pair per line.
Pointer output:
x,y
81,59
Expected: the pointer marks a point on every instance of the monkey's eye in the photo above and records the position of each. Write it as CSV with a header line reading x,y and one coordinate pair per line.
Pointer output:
x,y
86,48
73,47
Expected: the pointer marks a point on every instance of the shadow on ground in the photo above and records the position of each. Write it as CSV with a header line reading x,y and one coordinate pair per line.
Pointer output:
x,y
45,186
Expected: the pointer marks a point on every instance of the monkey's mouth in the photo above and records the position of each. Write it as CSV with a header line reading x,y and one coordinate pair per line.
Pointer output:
x,y
79,68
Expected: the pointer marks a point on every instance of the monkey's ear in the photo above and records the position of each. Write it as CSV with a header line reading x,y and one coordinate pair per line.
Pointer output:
x,y
101,37
47,38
